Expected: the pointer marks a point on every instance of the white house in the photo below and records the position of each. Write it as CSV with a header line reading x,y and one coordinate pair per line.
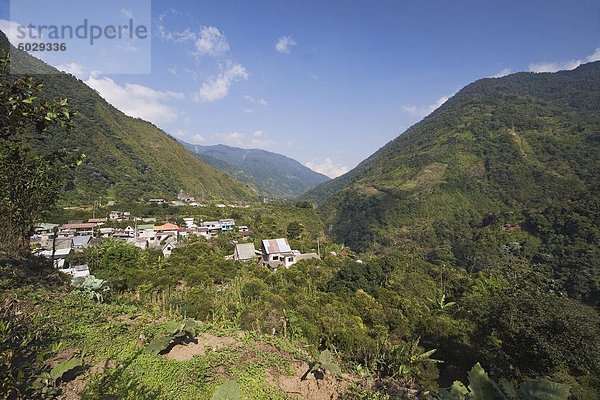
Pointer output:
x,y
276,252
227,224
169,247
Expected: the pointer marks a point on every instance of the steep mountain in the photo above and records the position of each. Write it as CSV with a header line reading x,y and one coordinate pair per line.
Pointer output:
x,y
507,167
272,175
127,158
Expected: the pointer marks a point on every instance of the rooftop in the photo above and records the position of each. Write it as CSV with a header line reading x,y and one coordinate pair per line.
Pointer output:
x,y
272,246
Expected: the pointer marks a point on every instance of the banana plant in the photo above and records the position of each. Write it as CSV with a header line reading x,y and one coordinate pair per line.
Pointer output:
x,y
482,387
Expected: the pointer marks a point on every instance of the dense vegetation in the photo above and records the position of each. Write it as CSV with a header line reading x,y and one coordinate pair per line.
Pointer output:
x,y
479,239
128,158
273,175
507,167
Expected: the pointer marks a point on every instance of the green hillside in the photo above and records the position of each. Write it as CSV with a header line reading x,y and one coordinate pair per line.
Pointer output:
x,y
272,175
127,158
507,167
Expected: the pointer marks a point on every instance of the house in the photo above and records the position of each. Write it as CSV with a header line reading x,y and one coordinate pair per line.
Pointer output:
x,y
276,252
106,232
77,229
211,225
203,232
244,232
59,256
189,222
156,202
168,248
214,227
81,242
227,224
141,243
119,215
45,229
245,252
168,228
97,221
146,231
78,271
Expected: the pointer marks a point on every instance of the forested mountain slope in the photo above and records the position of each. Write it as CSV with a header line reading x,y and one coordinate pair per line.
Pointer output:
x,y
272,175
127,158
507,167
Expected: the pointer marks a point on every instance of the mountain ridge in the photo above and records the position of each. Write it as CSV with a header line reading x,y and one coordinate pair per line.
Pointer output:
x,y
509,161
271,174
127,157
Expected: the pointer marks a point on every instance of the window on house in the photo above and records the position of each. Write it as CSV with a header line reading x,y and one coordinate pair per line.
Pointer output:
x,y
275,258
290,259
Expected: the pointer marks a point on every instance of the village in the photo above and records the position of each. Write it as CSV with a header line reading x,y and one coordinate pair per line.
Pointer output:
x,y
58,241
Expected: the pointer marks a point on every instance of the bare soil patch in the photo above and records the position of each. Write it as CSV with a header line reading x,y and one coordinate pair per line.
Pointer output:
x,y
204,343
330,387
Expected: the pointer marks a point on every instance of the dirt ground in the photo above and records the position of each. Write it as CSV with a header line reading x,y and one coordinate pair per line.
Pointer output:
x,y
330,387
182,352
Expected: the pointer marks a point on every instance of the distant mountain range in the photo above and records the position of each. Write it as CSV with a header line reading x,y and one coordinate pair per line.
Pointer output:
x,y
272,175
127,158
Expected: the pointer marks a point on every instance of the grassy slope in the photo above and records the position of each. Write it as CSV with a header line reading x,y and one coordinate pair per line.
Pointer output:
x,y
499,145
126,157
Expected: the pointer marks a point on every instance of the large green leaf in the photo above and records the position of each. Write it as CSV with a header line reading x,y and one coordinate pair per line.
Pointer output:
x,y
480,384
325,357
331,367
457,391
229,390
58,371
159,344
543,389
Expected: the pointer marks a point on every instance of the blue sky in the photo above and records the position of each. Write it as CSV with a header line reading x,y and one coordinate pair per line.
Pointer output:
x,y
328,83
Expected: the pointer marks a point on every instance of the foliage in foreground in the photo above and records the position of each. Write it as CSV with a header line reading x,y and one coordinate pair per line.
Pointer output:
x,y
481,387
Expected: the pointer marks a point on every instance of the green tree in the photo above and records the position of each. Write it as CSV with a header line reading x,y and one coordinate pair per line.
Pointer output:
x,y
29,182
294,230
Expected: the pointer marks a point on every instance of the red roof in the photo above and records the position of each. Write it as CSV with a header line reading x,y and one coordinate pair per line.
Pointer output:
x,y
166,227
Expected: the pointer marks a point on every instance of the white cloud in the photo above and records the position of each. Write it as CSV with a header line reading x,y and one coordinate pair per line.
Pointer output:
x,y
127,48
10,30
137,100
566,65
504,72
259,101
197,139
284,44
211,42
127,13
257,140
328,167
217,88
423,111
74,69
